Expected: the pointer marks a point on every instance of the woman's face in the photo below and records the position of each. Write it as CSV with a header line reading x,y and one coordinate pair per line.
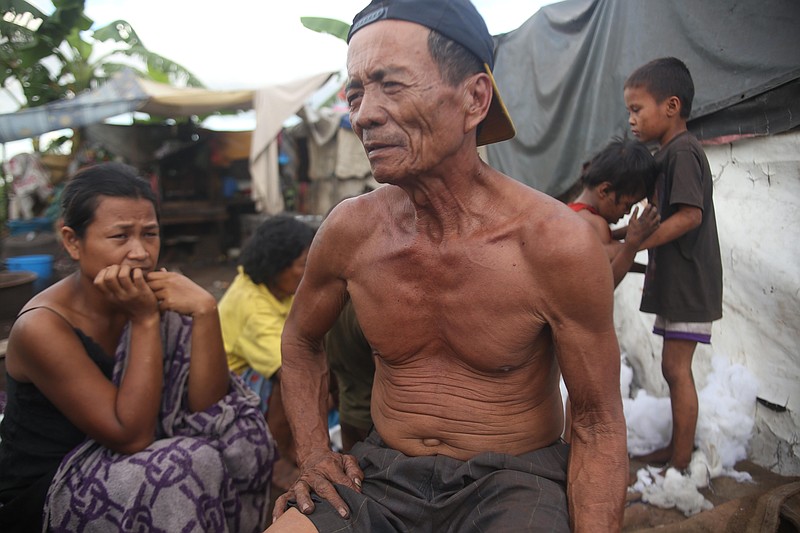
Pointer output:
x,y
289,279
124,232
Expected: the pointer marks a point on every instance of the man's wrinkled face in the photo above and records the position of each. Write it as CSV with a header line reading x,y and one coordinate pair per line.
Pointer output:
x,y
407,117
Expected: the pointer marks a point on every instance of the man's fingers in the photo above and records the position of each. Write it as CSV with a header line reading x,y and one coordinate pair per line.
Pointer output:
x,y
328,492
302,495
353,472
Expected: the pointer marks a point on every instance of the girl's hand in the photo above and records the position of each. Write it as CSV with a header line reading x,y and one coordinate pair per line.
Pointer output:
x,y
642,226
176,292
127,288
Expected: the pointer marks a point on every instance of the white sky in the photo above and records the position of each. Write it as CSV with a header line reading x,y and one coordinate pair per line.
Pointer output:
x,y
247,44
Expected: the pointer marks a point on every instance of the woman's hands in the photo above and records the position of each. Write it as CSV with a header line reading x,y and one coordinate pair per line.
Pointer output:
x,y
176,292
141,295
208,372
127,288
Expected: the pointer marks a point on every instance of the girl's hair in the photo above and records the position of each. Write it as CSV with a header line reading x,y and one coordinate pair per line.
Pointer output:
x,y
274,246
82,193
626,164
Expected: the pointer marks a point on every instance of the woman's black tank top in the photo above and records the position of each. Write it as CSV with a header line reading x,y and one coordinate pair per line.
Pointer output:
x,y
35,435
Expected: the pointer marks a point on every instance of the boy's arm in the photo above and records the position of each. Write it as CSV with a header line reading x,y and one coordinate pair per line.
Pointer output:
x,y
683,221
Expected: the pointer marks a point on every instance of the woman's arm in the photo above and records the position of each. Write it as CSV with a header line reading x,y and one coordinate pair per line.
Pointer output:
x,y
208,369
122,419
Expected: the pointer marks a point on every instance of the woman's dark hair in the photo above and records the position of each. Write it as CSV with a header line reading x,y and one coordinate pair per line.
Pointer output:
x,y
274,246
627,165
82,193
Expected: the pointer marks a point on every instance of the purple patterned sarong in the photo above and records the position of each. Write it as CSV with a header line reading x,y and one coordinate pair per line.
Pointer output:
x,y
206,472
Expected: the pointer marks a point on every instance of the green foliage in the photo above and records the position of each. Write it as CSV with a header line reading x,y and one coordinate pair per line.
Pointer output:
x,y
30,40
28,37
334,27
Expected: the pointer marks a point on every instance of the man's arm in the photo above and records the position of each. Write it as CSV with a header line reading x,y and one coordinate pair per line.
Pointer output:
x,y
304,375
580,306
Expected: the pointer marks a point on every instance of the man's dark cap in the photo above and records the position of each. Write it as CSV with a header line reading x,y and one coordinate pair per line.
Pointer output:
x,y
459,21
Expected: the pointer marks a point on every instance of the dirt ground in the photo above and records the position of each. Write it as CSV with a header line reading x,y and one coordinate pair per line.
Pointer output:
x,y
770,503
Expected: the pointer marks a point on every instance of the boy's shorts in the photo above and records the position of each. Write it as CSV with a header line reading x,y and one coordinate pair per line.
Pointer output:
x,y
688,331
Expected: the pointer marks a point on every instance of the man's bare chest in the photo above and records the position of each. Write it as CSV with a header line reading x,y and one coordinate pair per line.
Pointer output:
x,y
479,305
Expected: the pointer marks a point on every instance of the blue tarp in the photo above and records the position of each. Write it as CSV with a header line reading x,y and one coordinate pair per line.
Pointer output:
x,y
122,94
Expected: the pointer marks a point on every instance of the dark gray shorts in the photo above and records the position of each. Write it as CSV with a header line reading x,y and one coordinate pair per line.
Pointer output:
x,y
491,492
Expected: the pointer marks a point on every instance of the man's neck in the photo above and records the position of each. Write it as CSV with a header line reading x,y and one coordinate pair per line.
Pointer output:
x,y
450,203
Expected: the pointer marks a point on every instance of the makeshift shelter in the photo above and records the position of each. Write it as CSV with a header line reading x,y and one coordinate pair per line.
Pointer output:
x,y
126,92
561,76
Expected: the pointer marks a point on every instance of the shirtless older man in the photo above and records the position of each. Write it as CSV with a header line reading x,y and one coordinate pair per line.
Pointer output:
x,y
474,291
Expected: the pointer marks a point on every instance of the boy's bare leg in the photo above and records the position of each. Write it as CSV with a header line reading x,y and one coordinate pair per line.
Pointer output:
x,y
293,521
676,366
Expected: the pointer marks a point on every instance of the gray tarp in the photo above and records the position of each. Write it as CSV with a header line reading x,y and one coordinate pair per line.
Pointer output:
x,y
561,75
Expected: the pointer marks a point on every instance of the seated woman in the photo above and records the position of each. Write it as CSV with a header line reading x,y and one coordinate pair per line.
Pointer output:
x,y
253,311
122,415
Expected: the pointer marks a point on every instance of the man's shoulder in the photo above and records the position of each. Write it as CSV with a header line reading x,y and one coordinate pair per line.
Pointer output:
x,y
353,223
559,230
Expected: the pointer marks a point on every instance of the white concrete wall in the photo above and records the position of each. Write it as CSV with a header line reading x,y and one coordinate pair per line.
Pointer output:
x,y
757,200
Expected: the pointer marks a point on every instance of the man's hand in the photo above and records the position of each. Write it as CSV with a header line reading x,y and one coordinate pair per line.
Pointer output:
x,y
318,473
641,227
